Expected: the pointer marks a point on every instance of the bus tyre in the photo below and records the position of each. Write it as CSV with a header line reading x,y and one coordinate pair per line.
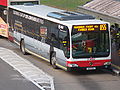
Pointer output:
x,y
22,47
54,61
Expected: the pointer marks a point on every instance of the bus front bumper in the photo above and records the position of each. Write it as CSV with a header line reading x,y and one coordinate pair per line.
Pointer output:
x,y
89,65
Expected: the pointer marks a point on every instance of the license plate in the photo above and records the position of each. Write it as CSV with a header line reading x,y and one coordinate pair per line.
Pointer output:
x,y
91,68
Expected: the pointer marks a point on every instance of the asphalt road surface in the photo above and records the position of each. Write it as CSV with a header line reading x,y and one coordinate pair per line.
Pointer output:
x,y
80,80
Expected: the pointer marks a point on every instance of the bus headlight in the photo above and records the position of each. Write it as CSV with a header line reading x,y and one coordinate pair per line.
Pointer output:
x,y
107,63
72,65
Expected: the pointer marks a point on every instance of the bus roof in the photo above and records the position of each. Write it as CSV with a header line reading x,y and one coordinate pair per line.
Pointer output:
x,y
44,11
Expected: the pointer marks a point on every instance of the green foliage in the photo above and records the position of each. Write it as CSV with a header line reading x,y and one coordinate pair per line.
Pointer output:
x,y
64,4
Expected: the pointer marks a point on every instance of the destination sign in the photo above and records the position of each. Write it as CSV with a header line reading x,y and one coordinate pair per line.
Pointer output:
x,y
93,27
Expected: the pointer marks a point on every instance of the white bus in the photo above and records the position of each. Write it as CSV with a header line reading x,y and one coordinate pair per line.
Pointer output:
x,y
67,40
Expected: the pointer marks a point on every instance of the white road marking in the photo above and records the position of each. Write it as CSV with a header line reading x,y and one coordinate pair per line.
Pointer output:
x,y
27,69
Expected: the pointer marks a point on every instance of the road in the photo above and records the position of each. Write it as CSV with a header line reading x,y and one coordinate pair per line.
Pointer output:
x,y
12,80
85,80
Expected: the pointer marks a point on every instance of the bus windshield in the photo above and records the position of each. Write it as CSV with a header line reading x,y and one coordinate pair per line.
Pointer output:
x,y
90,41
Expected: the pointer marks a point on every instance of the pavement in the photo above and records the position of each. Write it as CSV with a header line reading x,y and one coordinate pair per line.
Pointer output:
x,y
32,73
10,79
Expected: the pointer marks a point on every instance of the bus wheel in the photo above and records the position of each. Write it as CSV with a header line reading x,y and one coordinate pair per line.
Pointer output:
x,y
53,61
22,47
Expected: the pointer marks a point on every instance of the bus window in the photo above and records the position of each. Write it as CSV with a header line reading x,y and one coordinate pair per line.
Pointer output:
x,y
64,42
54,41
22,3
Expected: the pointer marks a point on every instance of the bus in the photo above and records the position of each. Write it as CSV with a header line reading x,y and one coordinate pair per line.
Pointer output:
x,y
4,16
66,39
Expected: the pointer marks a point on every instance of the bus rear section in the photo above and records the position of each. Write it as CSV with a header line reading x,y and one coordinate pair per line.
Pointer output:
x,y
19,2
90,47
4,15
